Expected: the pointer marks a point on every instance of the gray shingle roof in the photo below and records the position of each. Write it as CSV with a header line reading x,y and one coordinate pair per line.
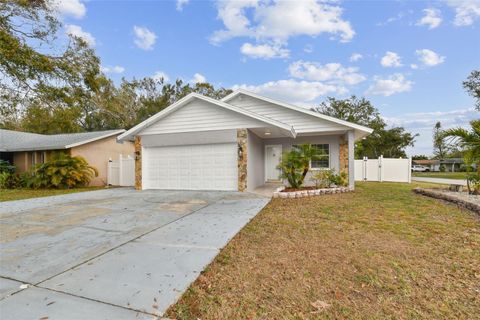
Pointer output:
x,y
11,141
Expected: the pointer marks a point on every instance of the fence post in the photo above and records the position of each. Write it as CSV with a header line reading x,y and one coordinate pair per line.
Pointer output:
x,y
380,168
364,168
120,170
410,170
109,172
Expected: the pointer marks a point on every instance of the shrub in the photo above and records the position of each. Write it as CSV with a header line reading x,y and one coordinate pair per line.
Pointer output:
x,y
5,166
12,180
63,171
328,178
442,168
296,163
473,183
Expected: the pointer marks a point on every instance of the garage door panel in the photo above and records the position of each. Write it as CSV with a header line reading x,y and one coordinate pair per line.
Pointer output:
x,y
196,167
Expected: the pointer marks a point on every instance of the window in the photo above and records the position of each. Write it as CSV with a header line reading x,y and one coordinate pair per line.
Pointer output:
x,y
324,162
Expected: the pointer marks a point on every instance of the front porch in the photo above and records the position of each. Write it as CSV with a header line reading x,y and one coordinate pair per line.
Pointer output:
x,y
264,151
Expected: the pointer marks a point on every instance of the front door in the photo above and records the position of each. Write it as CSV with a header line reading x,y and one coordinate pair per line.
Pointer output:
x,y
272,160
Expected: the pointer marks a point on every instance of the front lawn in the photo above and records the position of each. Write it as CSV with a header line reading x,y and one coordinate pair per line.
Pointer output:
x,y
380,252
444,175
19,194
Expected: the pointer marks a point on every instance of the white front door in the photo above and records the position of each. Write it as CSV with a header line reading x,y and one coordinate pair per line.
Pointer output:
x,y
272,160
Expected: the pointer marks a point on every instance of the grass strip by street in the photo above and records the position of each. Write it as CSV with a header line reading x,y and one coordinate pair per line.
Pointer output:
x,y
443,175
19,194
380,252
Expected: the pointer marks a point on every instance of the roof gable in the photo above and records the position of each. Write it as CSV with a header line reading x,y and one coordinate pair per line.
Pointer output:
x,y
196,112
270,107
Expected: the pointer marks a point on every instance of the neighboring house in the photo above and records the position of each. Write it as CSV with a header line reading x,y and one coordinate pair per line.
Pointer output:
x,y
24,150
199,143
452,164
433,165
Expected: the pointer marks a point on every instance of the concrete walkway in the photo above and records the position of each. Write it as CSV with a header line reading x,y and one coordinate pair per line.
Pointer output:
x,y
440,180
112,256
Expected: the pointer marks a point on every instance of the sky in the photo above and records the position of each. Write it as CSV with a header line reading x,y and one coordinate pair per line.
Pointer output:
x,y
408,57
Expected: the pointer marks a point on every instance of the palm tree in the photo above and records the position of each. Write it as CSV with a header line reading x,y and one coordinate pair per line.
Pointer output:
x,y
468,140
296,163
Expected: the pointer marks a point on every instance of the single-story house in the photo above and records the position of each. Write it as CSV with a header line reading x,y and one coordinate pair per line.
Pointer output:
x,y
432,164
453,164
200,143
24,149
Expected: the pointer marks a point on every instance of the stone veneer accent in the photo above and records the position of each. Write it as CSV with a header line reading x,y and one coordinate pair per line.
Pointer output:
x,y
242,159
343,155
138,163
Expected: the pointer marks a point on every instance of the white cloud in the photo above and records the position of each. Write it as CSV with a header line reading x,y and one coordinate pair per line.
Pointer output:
x,y
77,31
198,78
68,8
423,122
466,11
432,18
280,20
144,38
355,57
308,48
114,69
181,4
414,66
395,83
161,75
264,51
293,91
429,58
331,72
391,59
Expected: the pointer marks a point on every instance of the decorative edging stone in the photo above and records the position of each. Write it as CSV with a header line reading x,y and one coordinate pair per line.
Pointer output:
x,y
448,197
309,193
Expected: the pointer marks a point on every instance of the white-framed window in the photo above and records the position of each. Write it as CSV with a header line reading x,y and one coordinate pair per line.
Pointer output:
x,y
324,162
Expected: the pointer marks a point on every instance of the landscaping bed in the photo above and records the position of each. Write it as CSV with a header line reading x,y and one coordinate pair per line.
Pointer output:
x,y
304,192
463,199
381,252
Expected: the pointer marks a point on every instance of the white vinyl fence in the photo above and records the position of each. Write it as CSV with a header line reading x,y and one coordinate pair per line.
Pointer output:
x,y
121,172
383,169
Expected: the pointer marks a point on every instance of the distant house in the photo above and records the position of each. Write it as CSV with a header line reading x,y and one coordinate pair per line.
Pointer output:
x,y
433,165
452,164
24,150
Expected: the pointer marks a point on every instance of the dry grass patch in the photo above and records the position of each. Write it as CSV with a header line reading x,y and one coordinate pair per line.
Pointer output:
x,y
19,194
380,252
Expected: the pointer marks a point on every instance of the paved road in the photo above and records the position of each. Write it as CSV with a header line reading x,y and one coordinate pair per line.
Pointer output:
x,y
441,180
111,254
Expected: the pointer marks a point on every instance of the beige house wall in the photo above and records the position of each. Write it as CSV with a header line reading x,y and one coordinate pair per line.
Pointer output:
x,y
98,153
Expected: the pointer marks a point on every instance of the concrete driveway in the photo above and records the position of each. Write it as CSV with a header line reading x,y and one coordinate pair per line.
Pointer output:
x,y
441,180
111,254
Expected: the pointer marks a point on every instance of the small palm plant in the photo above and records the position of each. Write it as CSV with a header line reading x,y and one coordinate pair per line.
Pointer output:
x,y
295,164
468,140
63,171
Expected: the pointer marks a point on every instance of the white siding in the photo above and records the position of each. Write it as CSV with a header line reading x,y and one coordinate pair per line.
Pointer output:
x,y
186,138
200,115
255,162
302,122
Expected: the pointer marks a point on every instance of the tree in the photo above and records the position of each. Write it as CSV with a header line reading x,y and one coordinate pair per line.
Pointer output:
x,y
468,140
383,141
296,163
440,147
472,85
419,157
39,72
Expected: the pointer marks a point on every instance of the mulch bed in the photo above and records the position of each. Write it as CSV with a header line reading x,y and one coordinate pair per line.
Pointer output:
x,y
462,199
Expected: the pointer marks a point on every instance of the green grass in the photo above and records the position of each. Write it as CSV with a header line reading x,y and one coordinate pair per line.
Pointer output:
x,y
444,175
19,194
381,252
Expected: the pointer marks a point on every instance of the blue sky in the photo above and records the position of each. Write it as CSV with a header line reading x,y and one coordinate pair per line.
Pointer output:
x,y
408,57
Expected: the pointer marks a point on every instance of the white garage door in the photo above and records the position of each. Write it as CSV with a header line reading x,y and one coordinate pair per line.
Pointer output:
x,y
193,167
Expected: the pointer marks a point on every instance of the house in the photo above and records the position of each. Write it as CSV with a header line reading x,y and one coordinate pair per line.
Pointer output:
x,y
453,164
199,143
432,164
24,150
